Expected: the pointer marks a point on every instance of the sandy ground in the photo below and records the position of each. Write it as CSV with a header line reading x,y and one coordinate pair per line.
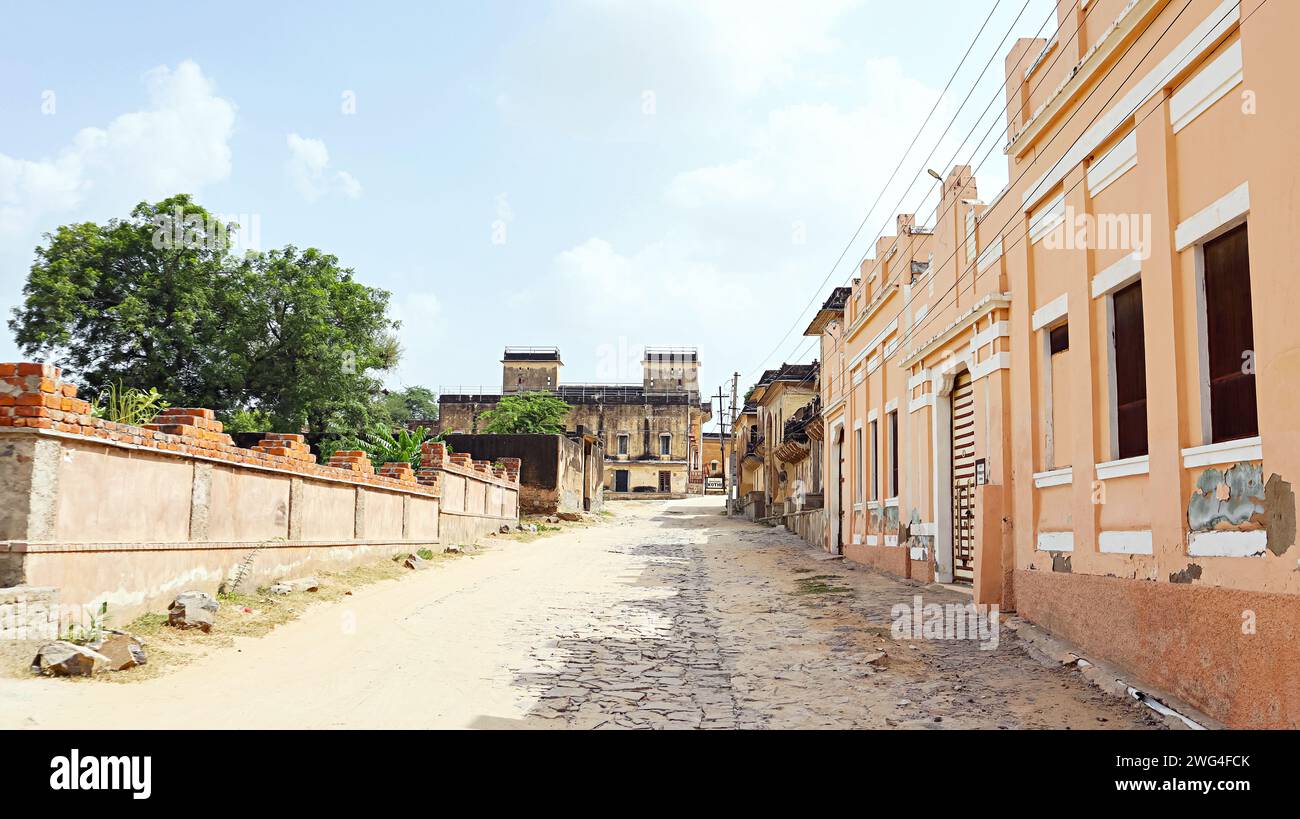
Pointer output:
x,y
667,615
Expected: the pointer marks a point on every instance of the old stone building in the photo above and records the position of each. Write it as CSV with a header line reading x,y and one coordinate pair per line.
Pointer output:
x,y
652,431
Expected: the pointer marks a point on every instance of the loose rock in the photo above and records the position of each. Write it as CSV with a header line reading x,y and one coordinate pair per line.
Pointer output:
x,y
193,609
122,650
63,659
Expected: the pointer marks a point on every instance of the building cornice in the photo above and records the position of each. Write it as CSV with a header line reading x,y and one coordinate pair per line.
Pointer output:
x,y
981,308
1121,30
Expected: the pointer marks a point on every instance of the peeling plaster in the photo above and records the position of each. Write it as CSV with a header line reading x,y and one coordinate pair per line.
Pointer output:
x,y
891,520
1231,500
1279,515
915,541
1188,575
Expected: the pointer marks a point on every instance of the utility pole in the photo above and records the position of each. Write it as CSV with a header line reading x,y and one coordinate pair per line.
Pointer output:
x,y
735,410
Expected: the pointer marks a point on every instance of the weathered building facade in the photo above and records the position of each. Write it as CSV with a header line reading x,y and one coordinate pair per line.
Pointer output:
x,y
749,448
651,432
986,382
777,458
559,473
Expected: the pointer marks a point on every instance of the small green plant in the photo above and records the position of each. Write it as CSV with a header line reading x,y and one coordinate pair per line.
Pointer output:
x,y
382,445
84,635
128,405
425,554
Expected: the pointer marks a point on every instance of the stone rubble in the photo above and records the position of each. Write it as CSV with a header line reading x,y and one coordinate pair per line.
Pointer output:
x,y
193,609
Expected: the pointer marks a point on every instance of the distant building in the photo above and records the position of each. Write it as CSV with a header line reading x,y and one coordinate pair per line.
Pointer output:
x,y
777,463
652,431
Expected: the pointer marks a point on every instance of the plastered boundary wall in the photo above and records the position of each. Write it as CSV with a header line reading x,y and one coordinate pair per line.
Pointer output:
x,y
105,512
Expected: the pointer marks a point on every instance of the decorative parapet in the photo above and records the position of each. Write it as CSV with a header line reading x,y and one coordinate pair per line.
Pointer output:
x,y
285,445
434,458
398,470
354,460
512,467
34,397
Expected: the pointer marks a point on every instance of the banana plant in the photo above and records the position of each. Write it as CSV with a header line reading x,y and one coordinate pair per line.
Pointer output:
x,y
383,445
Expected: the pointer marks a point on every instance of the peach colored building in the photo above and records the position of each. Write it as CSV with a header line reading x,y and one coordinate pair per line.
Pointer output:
x,y
748,448
778,395
1086,387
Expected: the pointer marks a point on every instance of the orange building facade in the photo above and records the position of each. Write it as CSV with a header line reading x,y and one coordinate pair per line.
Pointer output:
x,y
1078,398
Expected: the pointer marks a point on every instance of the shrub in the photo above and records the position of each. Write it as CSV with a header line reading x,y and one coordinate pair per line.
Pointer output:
x,y
131,405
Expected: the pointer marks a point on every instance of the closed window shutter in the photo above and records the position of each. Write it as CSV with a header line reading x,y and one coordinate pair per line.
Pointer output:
x,y
1130,372
1230,336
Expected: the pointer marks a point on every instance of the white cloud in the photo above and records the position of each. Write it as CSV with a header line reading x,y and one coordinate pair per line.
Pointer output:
x,y
818,163
670,282
730,253
308,169
755,43
179,143
696,57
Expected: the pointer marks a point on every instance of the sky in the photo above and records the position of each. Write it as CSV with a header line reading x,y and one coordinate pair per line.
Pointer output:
x,y
597,175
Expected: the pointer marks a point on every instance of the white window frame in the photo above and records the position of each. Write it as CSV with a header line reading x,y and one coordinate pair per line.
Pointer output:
x,y
1049,419
1227,213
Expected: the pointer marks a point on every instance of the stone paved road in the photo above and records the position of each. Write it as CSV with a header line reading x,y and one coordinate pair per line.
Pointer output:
x,y
669,615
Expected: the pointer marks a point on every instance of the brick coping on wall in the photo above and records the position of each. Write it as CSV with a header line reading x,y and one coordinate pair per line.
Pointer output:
x,y
24,547
35,400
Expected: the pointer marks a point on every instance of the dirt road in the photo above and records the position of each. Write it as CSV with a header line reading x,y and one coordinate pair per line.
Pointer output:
x,y
667,616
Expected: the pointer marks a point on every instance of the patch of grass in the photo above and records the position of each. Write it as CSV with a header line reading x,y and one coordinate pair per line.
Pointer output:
x,y
817,585
147,624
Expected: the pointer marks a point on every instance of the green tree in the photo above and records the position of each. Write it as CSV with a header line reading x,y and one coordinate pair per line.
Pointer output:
x,y
125,303
157,300
530,412
309,339
411,404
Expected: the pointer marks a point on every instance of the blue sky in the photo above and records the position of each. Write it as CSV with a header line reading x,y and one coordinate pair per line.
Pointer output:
x,y
597,175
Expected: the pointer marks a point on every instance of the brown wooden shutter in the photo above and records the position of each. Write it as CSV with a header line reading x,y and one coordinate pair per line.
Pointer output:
x,y
875,463
893,454
1130,372
1230,335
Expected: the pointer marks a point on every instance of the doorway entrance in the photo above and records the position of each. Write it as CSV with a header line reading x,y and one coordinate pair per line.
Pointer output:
x,y
962,430
838,496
